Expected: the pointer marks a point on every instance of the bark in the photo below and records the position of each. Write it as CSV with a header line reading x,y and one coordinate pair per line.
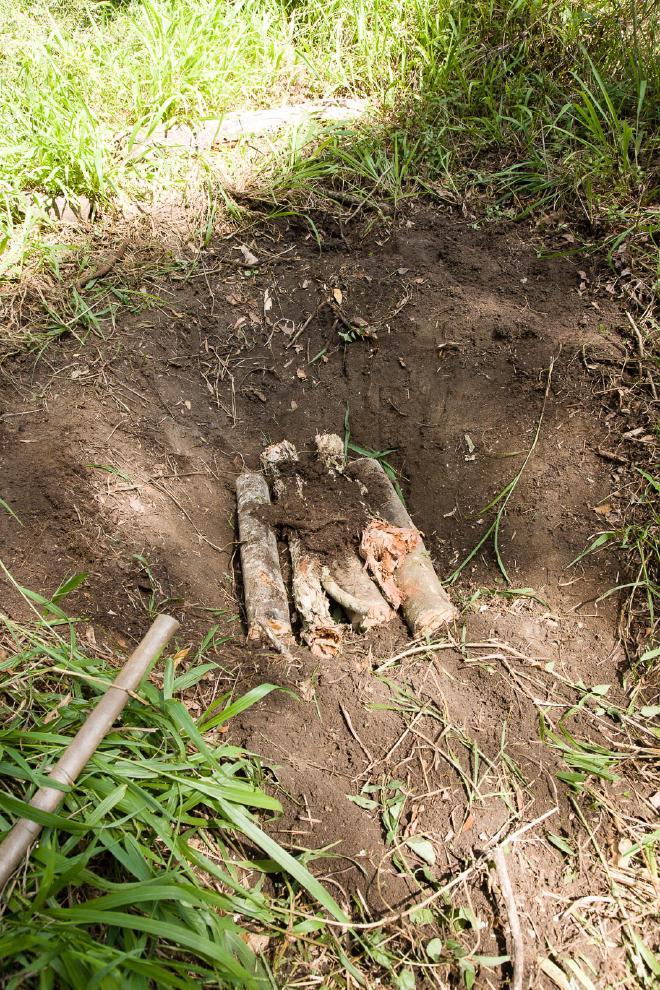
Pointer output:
x,y
266,605
425,603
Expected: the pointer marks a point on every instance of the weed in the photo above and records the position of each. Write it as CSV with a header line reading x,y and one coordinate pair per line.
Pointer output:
x,y
378,455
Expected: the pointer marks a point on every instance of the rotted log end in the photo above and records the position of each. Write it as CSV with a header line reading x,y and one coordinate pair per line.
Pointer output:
x,y
426,605
323,641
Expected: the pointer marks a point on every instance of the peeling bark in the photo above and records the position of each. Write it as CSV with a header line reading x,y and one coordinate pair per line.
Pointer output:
x,y
425,603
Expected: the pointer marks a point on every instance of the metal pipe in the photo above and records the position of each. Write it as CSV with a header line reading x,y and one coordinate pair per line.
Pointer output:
x,y
84,744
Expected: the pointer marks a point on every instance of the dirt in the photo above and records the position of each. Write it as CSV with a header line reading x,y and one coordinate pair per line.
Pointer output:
x,y
124,448
328,514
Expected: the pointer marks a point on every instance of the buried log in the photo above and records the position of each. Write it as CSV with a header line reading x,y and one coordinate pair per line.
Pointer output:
x,y
84,744
425,603
347,582
276,460
266,605
319,630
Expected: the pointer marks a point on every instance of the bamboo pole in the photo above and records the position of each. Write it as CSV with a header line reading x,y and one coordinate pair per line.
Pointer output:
x,y
17,842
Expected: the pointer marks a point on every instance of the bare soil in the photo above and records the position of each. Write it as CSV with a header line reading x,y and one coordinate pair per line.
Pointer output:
x,y
130,444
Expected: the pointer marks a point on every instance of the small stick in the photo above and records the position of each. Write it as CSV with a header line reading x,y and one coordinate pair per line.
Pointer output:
x,y
84,744
91,275
349,724
517,947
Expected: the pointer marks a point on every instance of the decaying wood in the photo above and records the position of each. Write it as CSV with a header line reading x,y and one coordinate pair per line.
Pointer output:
x,y
384,547
347,582
425,603
266,604
330,451
273,461
319,630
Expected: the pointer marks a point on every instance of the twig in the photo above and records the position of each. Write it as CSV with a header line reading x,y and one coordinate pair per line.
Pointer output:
x,y
347,719
517,947
460,878
102,270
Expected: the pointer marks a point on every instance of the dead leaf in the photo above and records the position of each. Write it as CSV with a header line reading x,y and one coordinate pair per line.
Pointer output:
x,y
258,943
294,405
268,302
54,712
337,295
603,510
250,259
306,689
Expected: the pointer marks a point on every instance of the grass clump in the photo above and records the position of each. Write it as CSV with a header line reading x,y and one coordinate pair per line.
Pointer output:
x,y
541,105
147,875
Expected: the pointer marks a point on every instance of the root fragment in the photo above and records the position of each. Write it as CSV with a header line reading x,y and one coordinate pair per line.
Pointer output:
x,y
347,582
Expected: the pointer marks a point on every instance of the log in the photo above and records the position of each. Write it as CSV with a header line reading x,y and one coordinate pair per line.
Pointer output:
x,y
319,630
425,603
266,604
347,582
84,744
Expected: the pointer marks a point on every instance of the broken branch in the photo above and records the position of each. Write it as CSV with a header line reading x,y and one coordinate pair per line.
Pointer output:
x,y
266,604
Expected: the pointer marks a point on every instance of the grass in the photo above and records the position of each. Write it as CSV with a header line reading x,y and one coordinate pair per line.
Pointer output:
x,y
147,875
543,105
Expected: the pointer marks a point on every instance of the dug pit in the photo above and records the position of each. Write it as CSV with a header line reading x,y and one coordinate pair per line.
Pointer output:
x,y
119,456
